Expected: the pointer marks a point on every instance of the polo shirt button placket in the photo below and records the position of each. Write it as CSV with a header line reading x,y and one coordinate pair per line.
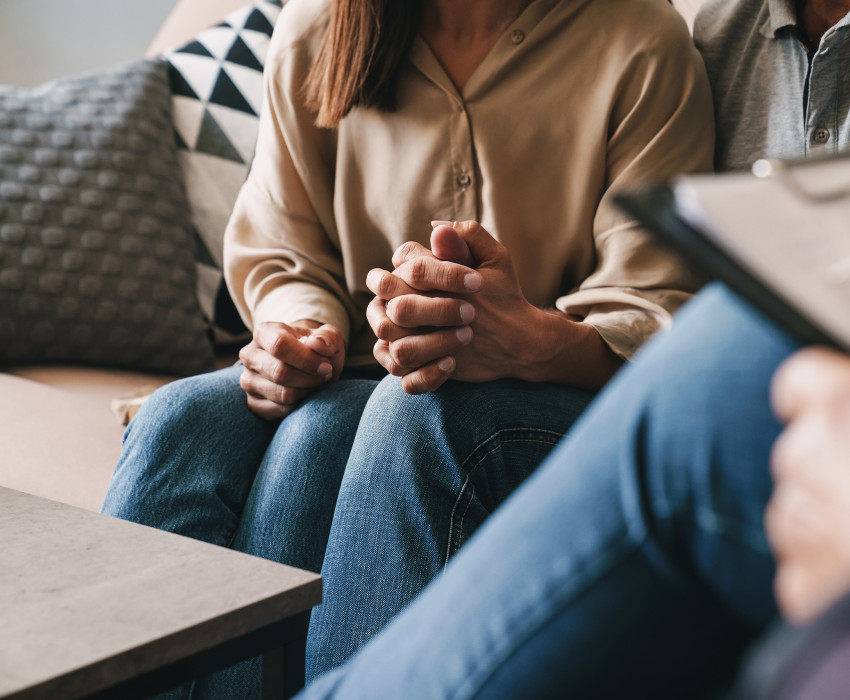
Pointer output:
x,y
821,136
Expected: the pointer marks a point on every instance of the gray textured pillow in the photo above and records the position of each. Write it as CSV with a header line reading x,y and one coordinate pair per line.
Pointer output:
x,y
96,245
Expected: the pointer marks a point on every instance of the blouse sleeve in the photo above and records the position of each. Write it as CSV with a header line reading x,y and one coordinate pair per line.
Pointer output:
x,y
282,257
661,124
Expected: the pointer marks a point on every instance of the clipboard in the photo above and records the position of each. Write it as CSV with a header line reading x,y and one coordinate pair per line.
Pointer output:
x,y
659,208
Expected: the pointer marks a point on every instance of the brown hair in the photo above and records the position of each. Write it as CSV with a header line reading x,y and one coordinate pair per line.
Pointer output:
x,y
361,54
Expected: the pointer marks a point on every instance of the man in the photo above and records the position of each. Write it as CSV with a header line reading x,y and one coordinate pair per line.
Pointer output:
x,y
634,561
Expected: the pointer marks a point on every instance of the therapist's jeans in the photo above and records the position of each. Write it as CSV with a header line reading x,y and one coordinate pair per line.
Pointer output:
x,y
632,563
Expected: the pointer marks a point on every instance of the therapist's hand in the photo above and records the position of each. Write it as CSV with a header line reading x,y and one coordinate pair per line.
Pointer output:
x,y
283,364
808,516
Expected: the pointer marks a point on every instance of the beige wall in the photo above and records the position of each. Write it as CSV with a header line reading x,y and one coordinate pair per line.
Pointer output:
x,y
188,18
44,39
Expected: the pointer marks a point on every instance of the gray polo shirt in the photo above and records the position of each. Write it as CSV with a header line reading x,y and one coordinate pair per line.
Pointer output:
x,y
774,96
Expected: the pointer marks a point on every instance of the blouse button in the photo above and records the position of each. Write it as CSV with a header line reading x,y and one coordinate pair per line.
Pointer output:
x,y
517,36
464,181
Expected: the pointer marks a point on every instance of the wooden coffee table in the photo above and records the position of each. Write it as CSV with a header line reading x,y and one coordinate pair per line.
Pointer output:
x,y
92,606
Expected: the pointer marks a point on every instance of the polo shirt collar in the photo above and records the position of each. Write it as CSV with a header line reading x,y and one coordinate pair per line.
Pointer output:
x,y
781,14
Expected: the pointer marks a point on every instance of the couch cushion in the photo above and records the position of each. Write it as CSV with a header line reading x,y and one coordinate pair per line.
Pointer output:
x,y
217,83
104,385
56,444
96,249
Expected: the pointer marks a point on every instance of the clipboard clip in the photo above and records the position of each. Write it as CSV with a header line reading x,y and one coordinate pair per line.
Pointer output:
x,y
800,176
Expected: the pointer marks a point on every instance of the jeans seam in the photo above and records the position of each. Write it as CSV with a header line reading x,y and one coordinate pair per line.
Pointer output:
x,y
450,548
463,517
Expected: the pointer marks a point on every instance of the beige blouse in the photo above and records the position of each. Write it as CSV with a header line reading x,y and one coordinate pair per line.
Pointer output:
x,y
577,99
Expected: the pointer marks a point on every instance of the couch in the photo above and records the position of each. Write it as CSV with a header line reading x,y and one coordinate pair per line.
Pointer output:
x,y
61,437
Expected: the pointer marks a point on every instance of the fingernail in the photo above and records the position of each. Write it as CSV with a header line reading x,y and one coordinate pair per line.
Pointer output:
x,y
473,281
464,334
324,341
447,364
467,312
325,368
434,224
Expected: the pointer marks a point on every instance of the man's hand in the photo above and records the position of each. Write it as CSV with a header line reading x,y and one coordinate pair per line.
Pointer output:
x,y
808,516
436,319
283,364
421,319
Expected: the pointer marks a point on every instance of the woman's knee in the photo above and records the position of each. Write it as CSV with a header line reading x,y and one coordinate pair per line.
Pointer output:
x,y
192,403
311,445
181,435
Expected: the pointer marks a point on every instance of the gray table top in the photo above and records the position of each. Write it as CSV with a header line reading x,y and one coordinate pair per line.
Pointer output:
x,y
88,600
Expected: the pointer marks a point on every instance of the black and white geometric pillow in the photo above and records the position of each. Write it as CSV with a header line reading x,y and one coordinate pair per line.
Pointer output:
x,y
217,89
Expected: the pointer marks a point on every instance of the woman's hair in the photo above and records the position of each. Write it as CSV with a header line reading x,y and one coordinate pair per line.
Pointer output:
x,y
361,54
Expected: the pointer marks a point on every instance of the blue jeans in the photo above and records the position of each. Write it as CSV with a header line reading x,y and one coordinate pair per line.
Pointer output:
x,y
198,462
423,474
632,563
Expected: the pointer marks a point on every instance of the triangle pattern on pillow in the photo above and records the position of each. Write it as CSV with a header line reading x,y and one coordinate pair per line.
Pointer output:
x,y
188,116
238,128
217,91
195,47
226,93
240,53
257,43
218,40
200,73
239,17
249,83
202,253
179,86
213,140
259,23
271,9
181,144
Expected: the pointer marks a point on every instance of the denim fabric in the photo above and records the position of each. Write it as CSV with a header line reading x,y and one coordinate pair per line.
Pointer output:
x,y
197,462
633,563
424,472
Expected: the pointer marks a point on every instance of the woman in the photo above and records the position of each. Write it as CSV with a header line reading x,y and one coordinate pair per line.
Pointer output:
x,y
380,116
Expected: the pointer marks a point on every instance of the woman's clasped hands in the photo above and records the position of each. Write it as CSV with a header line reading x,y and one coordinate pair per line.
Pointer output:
x,y
455,310
284,363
